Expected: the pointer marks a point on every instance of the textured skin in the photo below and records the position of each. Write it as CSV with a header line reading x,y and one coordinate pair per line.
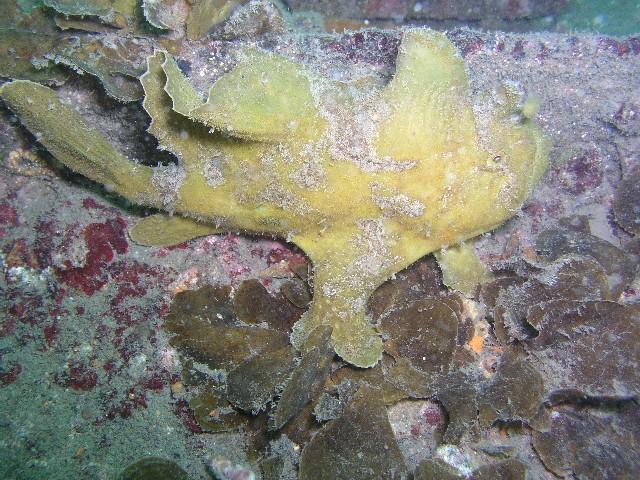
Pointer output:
x,y
366,179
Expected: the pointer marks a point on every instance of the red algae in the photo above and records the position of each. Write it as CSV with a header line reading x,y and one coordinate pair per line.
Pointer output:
x,y
78,377
51,332
102,239
134,399
10,376
8,215
91,204
185,413
621,48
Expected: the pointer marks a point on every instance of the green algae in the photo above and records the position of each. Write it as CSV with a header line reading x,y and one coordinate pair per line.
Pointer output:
x,y
297,292
253,304
205,327
436,469
570,277
590,443
586,347
209,305
553,244
33,48
26,36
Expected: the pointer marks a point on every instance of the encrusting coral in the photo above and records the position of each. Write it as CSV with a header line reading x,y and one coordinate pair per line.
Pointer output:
x,y
365,178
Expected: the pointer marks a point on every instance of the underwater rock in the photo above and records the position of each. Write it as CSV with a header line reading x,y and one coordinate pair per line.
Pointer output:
x,y
307,378
626,119
439,470
166,14
346,448
205,15
253,383
552,244
209,304
221,468
22,56
202,322
586,347
424,332
116,62
581,171
213,413
515,392
253,304
591,443
417,426
283,158
118,14
626,202
152,468
569,277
